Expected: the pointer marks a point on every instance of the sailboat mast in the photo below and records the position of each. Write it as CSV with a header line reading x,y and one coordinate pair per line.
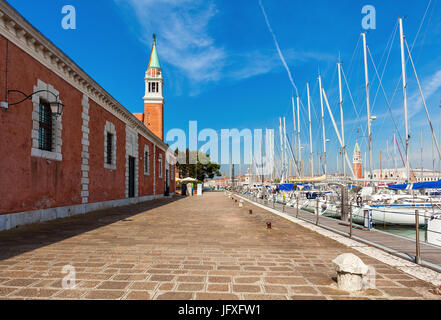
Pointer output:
x,y
366,75
281,147
341,119
323,123
298,136
286,153
421,148
395,157
294,121
286,149
403,71
310,133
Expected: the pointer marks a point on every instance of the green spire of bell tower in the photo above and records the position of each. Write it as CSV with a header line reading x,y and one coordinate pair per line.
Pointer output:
x,y
357,148
154,59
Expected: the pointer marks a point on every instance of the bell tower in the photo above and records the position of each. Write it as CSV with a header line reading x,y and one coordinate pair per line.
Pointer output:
x,y
153,99
356,162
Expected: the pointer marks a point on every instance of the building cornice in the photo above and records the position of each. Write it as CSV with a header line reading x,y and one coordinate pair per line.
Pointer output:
x,y
26,37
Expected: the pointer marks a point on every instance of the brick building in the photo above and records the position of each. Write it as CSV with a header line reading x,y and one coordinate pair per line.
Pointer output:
x,y
95,155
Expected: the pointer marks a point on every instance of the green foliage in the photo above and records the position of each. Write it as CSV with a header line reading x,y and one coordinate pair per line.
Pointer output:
x,y
196,165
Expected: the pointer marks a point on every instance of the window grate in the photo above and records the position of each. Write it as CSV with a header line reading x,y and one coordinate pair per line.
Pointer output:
x,y
109,148
146,162
45,128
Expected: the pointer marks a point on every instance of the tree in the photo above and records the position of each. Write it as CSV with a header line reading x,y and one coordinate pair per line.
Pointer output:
x,y
196,165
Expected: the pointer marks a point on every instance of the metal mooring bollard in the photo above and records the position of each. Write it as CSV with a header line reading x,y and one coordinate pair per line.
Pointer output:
x,y
268,224
250,211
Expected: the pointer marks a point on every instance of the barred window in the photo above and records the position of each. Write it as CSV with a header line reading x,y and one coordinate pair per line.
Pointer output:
x,y
160,166
109,148
147,162
45,127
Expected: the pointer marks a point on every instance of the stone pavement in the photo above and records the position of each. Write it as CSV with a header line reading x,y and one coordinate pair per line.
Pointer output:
x,y
184,248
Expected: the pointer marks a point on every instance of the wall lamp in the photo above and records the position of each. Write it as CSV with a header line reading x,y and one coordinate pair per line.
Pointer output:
x,y
56,106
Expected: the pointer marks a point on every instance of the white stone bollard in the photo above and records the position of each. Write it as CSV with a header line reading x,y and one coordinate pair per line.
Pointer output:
x,y
241,203
350,272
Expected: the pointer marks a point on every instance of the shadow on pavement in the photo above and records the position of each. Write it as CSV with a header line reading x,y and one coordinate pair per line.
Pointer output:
x,y
33,236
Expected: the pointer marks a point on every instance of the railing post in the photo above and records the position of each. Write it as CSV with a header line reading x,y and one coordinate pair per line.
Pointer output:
x,y
350,220
417,240
297,205
317,211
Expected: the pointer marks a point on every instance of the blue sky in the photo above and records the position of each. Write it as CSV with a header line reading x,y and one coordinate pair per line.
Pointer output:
x,y
221,66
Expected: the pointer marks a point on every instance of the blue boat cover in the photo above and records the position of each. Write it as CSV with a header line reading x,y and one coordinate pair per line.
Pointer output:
x,y
417,185
290,186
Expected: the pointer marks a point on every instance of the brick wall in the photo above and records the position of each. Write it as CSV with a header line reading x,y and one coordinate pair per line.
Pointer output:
x,y
30,182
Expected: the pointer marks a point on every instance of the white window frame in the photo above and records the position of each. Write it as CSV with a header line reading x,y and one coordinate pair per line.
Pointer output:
x,y
57,126
110,128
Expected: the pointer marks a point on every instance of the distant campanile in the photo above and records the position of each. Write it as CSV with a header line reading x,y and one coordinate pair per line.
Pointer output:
x,y
356,162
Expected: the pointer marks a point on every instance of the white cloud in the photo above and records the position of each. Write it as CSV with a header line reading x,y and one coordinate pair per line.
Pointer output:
x,y
429,86
184,41
183,37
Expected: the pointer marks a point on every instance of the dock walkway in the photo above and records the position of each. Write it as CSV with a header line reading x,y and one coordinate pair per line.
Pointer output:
x,y
398,245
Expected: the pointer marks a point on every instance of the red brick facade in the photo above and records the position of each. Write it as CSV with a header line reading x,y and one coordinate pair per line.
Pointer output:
x,y
74,179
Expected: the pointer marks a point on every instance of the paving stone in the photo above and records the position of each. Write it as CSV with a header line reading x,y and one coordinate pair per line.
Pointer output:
x,y
264,297
35,293
286,280
113,285
190,287
4,291
220,279
70,294
175,296
105,294
246,279
218,287
400,292
276,289
138,295
216,296
245,288
19,282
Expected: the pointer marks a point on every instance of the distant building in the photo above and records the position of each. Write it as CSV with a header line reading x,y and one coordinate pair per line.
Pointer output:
x,y
417,175
356,162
